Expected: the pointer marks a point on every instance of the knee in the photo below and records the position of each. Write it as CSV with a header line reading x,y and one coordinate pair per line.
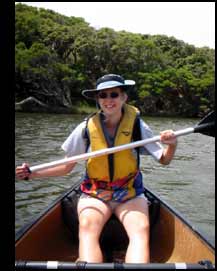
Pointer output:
x,y
88,225
141,230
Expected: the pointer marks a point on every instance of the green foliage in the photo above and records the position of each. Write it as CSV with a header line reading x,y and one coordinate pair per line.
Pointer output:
x,y
57,56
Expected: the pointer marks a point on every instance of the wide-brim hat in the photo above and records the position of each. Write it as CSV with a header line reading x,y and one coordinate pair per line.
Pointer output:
x,y
106,82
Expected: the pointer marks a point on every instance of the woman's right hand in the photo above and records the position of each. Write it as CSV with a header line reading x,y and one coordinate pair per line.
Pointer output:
x,y
23,172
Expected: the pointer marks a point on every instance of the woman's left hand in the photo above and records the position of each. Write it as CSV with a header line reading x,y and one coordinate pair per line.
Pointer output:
x,y
168,137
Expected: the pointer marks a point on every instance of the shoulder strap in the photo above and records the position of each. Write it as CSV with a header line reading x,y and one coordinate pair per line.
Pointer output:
x,y
85,131
137,136
136,130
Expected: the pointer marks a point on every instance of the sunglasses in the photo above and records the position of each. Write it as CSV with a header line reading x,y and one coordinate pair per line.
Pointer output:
x,y
104,95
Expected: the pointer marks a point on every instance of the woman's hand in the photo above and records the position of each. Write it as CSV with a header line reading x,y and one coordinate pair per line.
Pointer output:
x,y
168,137
23,172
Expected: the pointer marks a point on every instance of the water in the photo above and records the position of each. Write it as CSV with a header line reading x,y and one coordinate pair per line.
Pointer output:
x,y
187,184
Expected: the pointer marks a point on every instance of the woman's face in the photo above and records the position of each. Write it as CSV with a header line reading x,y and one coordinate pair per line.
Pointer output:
x,y
111,100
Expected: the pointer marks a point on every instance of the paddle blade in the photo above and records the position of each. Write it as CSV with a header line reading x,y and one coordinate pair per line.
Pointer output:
x,y
207,125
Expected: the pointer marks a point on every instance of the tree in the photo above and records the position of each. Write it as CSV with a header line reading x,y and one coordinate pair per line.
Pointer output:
x,y
57,56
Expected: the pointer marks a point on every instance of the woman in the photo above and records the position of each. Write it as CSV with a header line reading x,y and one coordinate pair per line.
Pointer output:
x,y
112,183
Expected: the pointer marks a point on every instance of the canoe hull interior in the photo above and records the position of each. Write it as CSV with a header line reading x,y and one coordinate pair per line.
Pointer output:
x,y
54,236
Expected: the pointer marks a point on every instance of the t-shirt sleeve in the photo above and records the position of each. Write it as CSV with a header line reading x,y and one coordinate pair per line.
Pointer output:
x,y
75,144
155,149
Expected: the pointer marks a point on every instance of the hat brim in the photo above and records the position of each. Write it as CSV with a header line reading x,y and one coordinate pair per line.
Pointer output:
x,y
91,93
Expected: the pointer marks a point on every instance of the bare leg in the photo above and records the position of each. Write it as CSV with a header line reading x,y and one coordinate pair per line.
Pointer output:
x,y
93,214
134,216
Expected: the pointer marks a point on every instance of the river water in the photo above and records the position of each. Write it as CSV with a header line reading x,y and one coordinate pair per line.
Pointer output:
x,y
187,184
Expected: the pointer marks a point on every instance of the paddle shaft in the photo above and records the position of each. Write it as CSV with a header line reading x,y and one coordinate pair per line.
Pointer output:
x,y
43,265
85,156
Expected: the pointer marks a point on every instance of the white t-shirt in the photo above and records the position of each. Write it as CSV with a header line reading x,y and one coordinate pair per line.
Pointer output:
x,y
75,144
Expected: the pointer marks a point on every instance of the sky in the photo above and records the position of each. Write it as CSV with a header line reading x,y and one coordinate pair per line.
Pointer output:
x,y
191,22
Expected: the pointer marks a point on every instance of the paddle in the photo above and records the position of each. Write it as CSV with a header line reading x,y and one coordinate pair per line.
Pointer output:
x,y
44,265
209,118
205,126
